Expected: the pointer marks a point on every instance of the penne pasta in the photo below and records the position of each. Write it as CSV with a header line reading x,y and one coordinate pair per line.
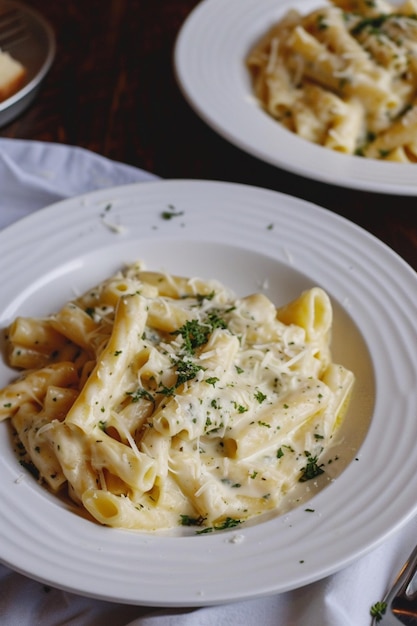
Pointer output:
x,y
182,403
362,55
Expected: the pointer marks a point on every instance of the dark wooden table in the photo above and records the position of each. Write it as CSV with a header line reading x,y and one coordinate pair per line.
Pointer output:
x,y
112,89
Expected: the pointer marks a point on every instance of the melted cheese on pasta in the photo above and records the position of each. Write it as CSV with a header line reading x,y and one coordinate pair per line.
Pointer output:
x,y
159,400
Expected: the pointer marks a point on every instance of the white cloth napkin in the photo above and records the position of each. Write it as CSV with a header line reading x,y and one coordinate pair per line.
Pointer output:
x,y
33,175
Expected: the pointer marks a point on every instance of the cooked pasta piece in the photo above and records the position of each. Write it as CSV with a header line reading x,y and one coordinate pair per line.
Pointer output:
x,y
398,135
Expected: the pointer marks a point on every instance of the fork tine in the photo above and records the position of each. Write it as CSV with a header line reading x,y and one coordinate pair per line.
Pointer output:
x,y
404,604
408,572
12,29
400,603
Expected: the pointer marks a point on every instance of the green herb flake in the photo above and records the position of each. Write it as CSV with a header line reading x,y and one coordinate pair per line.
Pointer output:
x,y
264,424
135,396
260,397
378,610
194,335
186,370
168,215
311,469
186,520
200,297
212,380
321,22
214,320
229,522
106,209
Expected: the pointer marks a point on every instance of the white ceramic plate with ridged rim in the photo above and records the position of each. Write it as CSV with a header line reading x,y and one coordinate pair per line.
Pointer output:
x,y
209,57
251,239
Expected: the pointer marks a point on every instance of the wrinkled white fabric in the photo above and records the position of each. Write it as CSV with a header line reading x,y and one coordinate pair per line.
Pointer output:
x,y
33,175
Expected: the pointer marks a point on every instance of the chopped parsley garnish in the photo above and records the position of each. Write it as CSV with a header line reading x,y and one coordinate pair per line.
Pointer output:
x,y
374,23
106,209
186,370
260,397
311,469
229,522
168,215
321,22
239,407
264,424
378,610
135,396
214,320
167,391
196,334
200,297
230,483
186,520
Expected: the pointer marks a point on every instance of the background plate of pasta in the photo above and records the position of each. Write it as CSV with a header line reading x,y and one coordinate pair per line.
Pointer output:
x,y
324,89
182,401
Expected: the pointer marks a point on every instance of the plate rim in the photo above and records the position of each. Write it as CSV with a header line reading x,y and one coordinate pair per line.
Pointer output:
x,y
230,543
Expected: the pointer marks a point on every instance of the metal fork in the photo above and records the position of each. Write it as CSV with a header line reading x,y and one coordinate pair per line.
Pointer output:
x,y
400,604
12,28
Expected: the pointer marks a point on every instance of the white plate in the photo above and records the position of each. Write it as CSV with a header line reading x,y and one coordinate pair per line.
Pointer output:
x,y
33,44
250,239
210,57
